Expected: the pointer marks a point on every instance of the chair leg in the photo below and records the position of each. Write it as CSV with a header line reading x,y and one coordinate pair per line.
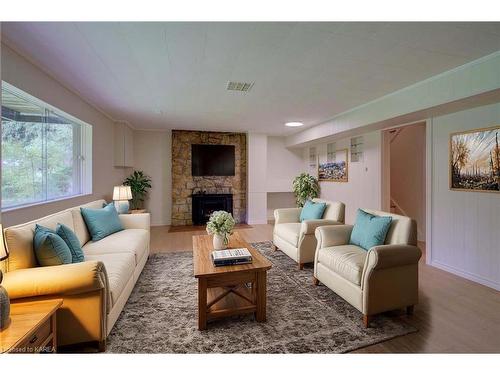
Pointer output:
x,y
301,266
315,281
102,346
366,320
410,309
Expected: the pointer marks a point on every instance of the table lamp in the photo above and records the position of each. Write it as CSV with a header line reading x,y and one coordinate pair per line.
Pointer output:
x,y
121,195
4,297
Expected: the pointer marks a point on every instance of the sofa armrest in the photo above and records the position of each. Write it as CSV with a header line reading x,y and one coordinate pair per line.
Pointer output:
x,y
287,215
333,235
136,221
309,226
389,256
66,279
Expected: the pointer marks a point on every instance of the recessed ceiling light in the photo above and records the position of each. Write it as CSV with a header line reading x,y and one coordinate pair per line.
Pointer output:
x,y
294,124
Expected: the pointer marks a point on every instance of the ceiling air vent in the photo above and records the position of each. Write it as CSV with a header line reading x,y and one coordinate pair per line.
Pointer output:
x,y
239,86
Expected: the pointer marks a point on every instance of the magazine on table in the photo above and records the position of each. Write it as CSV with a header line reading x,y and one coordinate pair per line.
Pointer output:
x,y
231,257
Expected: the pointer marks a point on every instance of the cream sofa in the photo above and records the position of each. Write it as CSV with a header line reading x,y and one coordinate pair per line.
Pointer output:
x,y
296,239
94,291
381,279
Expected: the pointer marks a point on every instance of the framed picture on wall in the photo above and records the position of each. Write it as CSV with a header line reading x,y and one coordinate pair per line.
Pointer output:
x,y
475,160
335,167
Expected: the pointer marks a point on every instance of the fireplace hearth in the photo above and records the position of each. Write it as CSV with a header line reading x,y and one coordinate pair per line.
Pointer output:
x,y
204,204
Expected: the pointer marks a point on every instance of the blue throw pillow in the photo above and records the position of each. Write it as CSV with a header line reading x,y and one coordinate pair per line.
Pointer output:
x,y
50,248
72,241
101,222
369,230
312,211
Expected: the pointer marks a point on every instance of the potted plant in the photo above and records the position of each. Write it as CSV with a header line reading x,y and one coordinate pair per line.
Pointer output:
x,y
305,187
220,224
139,184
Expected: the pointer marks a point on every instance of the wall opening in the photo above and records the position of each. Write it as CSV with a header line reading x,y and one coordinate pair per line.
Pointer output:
x,y
404,173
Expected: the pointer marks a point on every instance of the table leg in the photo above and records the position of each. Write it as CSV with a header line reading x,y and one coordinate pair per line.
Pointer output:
x,y
260,314
202,303
54,332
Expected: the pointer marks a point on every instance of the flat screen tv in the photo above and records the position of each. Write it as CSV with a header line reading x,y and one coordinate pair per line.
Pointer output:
x,y
212,160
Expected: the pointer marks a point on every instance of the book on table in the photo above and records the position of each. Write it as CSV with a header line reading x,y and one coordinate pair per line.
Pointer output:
x,y
231,257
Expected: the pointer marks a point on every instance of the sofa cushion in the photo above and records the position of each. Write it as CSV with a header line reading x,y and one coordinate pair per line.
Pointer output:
x,y
289,232
19,239
312,210
369,230
50,248
101,222
346,260
81,230
119,268
72,241
133,241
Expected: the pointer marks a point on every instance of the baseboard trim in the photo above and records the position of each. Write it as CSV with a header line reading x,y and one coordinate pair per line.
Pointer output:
x,y
253,222
466,275
160,224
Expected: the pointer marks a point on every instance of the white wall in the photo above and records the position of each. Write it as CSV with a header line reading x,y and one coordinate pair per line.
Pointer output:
x,y
407,171
465,225
363,188
153,155
21,73
282,166
257,174
279,200
271,170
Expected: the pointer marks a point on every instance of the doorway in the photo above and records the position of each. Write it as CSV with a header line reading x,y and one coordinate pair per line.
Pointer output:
x,y
404,174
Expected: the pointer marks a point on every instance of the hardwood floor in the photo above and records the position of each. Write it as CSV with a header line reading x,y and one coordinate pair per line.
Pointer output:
x,y
454,315
165,241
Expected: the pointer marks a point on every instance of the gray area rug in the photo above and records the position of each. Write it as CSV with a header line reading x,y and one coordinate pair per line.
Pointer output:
x,y
161,315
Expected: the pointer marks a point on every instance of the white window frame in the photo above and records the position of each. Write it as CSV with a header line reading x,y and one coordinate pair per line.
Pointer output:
x,y
82,157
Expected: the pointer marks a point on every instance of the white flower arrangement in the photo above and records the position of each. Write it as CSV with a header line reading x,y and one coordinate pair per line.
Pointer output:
x,y
221,223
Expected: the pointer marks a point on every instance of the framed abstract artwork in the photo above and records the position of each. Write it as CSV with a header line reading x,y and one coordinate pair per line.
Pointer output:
x,y
335,168
475,160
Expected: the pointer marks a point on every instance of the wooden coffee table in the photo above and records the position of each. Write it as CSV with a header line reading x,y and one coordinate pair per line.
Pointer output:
x,y
229,290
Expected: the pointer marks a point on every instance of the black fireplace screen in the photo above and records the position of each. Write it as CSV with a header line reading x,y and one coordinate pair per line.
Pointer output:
x,y
204,204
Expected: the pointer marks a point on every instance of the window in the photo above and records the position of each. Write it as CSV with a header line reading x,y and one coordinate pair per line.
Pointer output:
x,y
312,157
46,153
331,149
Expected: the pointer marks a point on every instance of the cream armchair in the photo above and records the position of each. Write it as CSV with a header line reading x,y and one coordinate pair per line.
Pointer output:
x,y
296,239
381,279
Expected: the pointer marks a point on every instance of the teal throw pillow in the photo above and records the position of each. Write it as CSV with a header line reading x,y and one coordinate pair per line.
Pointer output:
x,y
50,248
369,230
72,241
312,211
101,222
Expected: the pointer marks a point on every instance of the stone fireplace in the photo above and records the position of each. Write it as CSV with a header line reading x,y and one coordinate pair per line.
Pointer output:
x,y
187,188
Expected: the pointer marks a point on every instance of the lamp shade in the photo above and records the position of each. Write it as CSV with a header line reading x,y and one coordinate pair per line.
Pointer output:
x,y
122,193
3,250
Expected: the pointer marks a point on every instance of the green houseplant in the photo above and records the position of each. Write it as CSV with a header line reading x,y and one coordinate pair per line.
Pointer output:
x,y
305,187
139,184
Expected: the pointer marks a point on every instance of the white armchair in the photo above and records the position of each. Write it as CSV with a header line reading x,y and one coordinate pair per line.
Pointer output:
x,y
296,239
381,279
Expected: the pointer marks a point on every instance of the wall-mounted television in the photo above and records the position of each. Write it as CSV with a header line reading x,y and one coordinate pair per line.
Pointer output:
x,y
212,160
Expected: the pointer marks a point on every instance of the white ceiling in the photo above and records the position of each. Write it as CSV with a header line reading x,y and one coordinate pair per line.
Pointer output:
x,y
174,75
